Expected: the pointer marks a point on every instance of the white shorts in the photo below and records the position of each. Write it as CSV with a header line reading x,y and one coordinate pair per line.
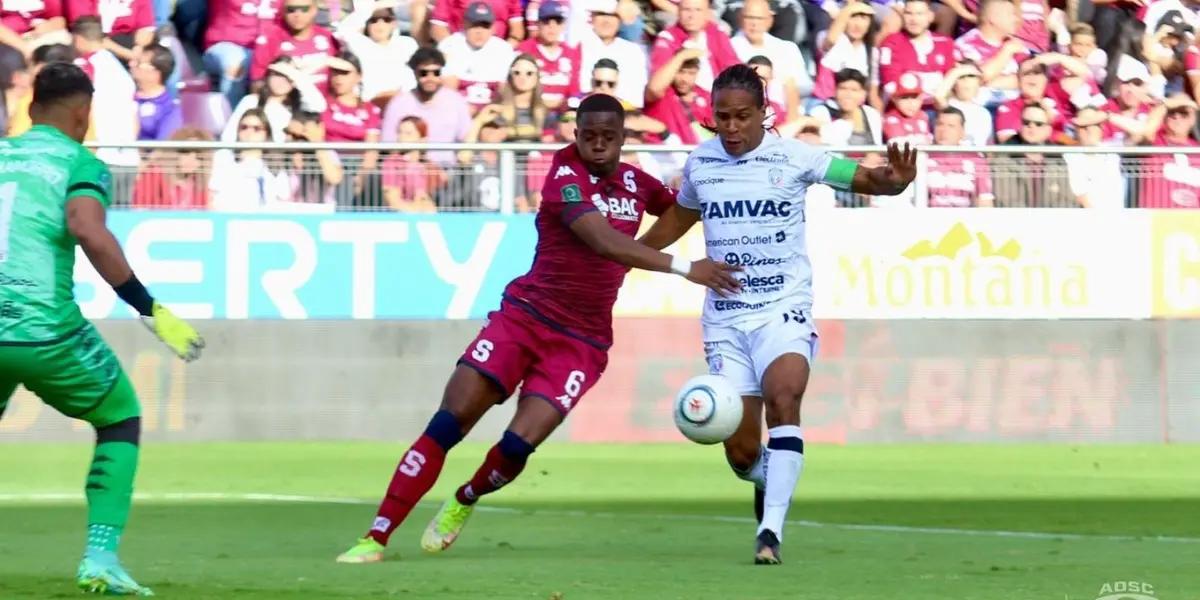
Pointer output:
x,y
742,357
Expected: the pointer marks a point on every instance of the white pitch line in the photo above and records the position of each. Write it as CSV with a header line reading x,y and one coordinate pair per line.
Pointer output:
x,y
59,497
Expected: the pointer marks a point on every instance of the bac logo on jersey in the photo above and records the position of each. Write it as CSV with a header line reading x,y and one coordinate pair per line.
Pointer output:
x,y
622,209
736,209
563,171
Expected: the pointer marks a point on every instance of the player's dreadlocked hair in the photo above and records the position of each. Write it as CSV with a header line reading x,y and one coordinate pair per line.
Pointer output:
x,y
600,103
743,77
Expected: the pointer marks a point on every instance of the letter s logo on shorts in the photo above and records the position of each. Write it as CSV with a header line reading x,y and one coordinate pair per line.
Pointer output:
x,y
742,209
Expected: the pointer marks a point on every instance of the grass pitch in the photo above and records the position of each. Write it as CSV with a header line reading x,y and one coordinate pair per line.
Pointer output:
x,y
265,520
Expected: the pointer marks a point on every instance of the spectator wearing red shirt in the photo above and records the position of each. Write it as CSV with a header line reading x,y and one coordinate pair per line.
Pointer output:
x,y
409,181
674,98
128,24
1032,82
905,122
956,180
449,18
175,179
994,49
299,37
233,28
1129,109
694,31
31,23
349,118
1173,181
915,49
558,62
1033,30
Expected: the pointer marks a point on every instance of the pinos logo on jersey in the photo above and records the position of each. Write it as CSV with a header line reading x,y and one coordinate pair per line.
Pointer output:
x,y
740,209
622,209
746,259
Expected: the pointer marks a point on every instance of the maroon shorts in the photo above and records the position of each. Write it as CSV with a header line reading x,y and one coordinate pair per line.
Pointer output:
x,y
514,346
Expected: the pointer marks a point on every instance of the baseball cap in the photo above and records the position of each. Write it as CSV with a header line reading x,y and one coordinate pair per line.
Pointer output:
x,y
552,10
1175,21
908,85
1131,68
480,13
604,7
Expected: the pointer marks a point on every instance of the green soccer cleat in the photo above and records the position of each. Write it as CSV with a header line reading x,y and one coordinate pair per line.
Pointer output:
x,y
446,525
102,573
366,550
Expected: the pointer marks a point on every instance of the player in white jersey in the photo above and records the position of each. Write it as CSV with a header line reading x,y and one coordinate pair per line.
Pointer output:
x,y
748,187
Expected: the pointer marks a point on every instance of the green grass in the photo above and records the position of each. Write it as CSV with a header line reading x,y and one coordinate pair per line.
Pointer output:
x,y
646,525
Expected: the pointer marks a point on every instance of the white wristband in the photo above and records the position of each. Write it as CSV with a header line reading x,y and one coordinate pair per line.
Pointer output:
x,y
681,266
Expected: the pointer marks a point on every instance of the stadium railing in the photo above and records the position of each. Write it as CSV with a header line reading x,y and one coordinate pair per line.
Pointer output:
x,y
507,177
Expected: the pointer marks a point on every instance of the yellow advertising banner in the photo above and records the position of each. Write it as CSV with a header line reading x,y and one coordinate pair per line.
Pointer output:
x,y
1175,263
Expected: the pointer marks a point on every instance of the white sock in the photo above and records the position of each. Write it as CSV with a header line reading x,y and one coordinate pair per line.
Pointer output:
x,y
757,473
787,460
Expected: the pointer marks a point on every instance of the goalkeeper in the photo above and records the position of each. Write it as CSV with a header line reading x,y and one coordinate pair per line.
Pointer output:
x,y
53,193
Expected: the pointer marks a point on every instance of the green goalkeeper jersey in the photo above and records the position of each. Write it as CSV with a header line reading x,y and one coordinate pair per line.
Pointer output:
x,y
39,171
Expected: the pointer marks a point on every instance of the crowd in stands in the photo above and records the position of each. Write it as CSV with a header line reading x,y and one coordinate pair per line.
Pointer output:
x,y
1111,73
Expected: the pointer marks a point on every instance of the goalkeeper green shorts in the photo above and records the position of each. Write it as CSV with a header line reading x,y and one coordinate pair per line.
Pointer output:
x,y
77,375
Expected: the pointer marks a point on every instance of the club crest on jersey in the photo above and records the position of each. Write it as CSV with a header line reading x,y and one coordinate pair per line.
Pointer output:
x,y
572,194
622,209
776,176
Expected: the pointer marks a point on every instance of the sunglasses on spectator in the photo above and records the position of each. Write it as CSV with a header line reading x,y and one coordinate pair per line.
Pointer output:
x,y
516,73
298,136
297,8
251,127
1033,123
383,18
608,83
429,72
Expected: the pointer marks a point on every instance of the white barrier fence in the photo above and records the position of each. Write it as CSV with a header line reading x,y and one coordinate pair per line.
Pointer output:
x,y
507,178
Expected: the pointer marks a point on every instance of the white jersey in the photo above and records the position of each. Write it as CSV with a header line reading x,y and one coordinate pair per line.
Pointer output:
x,y
752,207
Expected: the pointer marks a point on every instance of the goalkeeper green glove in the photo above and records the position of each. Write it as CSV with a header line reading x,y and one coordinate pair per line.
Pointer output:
x,y
180,337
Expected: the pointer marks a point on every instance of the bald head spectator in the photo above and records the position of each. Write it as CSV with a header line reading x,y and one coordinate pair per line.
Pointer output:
x,y
477,60
993,48
299,37
917,50
695,31
560,64
455,16
603,42
229,41
956,180
754,39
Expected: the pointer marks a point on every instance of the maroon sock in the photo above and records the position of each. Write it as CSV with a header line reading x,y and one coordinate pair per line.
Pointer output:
x,y
504,462
416,473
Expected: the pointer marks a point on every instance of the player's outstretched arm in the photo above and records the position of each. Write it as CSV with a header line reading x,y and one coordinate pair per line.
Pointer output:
x,y
671,226
86,221
595,231
890,179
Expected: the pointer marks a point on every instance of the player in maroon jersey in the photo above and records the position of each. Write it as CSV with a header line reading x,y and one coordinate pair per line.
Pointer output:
x,y
552,331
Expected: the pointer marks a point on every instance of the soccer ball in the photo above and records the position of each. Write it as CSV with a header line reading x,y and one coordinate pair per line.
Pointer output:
x,y
708,409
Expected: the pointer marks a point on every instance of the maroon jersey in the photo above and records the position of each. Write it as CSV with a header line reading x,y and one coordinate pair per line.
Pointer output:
x,y
345,123
929,61
569,285
901,129
957,180
22,17
238,21
1173,179
560,69
1008,115
277,41
450,13
116,17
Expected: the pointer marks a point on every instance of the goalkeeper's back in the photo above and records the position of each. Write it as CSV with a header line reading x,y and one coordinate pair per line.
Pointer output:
x,y
39,170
